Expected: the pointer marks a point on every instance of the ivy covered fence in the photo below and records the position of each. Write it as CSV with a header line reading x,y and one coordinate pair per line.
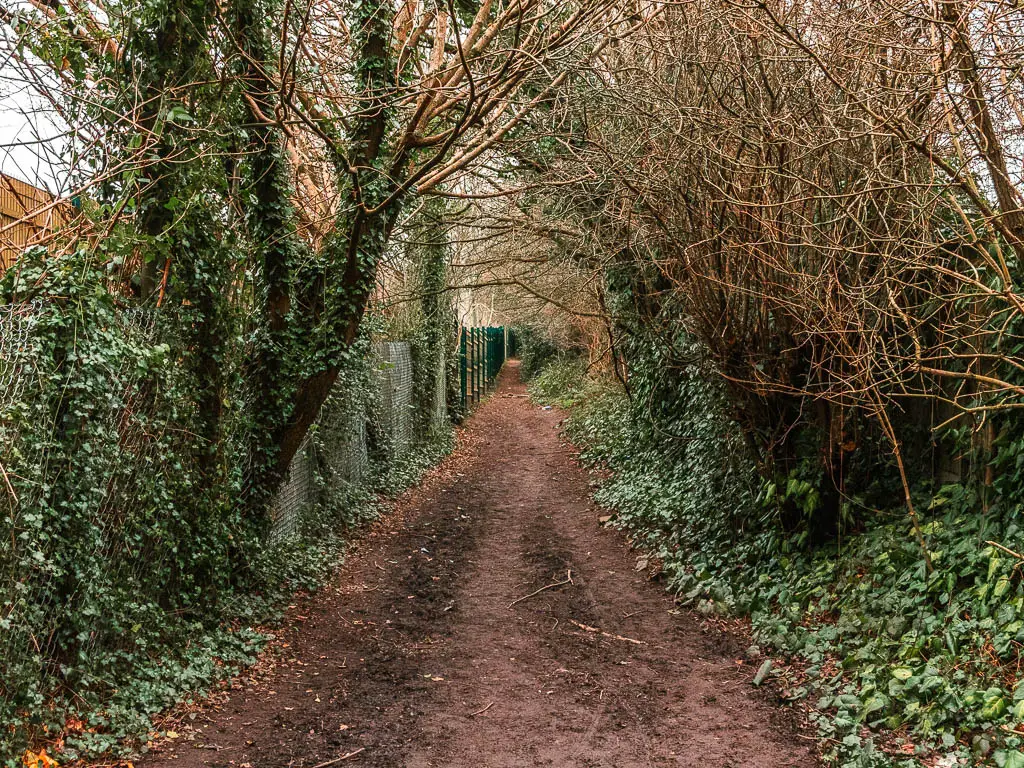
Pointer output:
x,y
128,580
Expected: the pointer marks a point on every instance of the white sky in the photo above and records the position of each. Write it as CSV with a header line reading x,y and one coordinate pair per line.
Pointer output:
x,y
32,141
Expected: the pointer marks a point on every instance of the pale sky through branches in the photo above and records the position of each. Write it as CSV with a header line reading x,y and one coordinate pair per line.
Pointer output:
x,y
33,140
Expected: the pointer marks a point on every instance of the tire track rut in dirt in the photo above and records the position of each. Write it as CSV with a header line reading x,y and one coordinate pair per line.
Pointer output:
x,y
416,656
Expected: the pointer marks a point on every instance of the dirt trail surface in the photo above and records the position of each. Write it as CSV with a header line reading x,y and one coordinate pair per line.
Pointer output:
x,y
428,652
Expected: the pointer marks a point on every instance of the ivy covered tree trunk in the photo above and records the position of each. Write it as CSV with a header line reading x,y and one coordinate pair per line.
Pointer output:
x,y
433,340
311,302
276,249
332,292
185,266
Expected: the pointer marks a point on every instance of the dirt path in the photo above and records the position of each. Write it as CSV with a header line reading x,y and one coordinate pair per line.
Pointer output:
x,y
418,658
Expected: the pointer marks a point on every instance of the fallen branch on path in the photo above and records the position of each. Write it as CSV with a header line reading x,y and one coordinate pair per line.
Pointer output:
x,y
568,580
339,759
481,711
587,628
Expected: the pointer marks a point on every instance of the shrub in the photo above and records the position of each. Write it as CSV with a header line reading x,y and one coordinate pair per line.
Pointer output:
x,y
885,644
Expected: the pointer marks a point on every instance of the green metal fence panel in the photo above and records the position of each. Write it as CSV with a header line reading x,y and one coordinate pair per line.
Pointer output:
x,y
482,353
463,381
477,363
474,339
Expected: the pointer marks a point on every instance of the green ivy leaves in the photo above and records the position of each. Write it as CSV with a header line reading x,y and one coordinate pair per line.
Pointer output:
x,y
884,644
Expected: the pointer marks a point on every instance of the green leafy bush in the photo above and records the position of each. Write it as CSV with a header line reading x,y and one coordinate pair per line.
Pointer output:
x,y
536,350
130,574
563,383
887,646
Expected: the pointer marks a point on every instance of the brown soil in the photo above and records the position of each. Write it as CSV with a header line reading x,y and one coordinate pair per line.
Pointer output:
x,y
417,658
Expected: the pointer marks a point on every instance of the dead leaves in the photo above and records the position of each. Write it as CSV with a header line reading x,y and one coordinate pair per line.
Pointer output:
x,y
38,759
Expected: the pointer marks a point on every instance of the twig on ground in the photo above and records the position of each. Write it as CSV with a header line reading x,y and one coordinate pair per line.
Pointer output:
x,y
587,628
568,580
339,759
481,711
817,738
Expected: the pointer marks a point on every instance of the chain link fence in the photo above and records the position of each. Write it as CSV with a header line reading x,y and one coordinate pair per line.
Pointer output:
x,y
336,454
15,325
393,379
126,527
92,482
120,432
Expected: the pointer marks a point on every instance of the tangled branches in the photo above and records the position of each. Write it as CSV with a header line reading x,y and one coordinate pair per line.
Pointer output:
x,y
827,195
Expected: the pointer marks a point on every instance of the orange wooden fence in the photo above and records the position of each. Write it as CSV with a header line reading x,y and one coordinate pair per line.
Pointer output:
x,y
27,215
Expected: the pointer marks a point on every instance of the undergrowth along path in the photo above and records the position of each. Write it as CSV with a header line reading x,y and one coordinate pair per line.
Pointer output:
x,y
491,622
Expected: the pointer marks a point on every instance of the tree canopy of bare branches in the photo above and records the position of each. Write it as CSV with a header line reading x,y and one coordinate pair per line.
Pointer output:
x,y
827,195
